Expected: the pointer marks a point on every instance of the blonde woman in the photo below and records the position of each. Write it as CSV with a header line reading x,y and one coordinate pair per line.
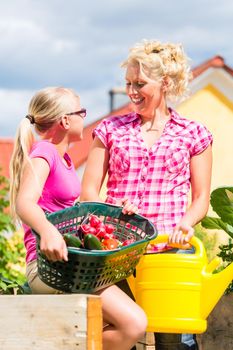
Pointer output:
x,y
43,179
153,155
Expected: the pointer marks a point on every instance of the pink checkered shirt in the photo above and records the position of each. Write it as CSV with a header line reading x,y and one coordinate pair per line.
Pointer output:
x,y
157,180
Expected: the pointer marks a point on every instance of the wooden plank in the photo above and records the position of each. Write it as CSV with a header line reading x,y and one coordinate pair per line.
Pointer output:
x,y
44,322
94,327
147,343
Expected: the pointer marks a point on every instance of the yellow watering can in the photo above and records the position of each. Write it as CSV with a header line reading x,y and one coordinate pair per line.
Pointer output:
x,y
178,291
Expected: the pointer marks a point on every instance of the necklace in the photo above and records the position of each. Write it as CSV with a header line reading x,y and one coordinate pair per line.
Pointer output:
x,y
152,129
160,124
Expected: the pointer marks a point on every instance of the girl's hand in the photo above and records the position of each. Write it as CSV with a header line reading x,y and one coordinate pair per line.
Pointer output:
x,y
53,246
128,207
181,235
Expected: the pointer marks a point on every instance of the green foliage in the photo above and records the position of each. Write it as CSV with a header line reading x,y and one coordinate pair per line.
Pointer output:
x,y
12,250
226,253
221,201
209,241
5,219
9,287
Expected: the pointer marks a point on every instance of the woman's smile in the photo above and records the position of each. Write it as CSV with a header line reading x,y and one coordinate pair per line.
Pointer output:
x,y
138,100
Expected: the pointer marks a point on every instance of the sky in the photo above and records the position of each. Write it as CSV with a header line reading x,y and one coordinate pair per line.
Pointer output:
x,y
80,44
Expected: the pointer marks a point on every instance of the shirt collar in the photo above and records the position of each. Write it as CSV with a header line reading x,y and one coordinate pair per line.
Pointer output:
x,y
176,123
176,118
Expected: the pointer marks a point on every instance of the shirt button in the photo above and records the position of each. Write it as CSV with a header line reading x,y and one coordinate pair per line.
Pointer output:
x,y
144,171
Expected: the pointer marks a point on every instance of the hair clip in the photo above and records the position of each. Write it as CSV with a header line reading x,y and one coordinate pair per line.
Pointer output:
x,y
30,118
156,50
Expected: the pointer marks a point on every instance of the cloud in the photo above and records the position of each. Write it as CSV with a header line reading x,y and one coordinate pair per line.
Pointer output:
x,y
13,107
80,44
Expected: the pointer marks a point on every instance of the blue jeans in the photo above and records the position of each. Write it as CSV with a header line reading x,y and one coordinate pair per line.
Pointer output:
x,y
168,341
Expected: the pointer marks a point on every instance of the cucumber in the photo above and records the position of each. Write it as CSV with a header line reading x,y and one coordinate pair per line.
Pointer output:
x,y
91,242
72,241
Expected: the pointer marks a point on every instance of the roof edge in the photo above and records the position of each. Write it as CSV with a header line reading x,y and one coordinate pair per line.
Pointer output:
x,y
214,62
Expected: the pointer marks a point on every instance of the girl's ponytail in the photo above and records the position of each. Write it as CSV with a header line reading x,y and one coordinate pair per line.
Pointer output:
x,y
23,143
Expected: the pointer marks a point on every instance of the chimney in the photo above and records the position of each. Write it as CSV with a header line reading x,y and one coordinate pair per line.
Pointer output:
x,y
114,94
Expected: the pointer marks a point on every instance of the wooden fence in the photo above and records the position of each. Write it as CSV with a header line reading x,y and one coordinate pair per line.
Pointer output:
x,y
50,322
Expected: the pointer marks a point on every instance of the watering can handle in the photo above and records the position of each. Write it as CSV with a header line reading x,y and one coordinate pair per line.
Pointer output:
x,y
194,242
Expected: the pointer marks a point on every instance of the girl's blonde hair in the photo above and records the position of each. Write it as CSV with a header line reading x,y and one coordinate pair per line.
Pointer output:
x,y
45,109
163,61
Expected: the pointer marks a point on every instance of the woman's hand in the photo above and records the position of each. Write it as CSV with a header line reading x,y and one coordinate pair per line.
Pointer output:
x,y
181,235
53,246
128,207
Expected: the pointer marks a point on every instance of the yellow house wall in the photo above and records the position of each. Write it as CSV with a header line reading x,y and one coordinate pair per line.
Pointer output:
x,y
215,111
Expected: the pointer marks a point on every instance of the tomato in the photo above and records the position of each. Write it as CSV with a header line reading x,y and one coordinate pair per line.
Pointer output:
x,y
110,243
100,232
100,225
109,228
87,228
94,220
92,230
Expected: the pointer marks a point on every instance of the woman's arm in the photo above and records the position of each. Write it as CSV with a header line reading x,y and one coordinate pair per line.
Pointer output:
x,y
94,175
33,179
200,169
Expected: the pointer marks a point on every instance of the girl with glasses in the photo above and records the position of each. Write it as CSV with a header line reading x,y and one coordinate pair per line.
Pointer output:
x,y
43,179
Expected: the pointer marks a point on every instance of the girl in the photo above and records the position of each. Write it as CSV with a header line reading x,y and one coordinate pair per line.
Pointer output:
x,y
43,178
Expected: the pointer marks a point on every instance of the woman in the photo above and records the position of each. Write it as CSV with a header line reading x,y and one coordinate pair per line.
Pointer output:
x,y
153,156
43,179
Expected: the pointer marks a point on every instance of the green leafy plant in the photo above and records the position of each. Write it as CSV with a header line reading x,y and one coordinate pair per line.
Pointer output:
x,y
221,200
209,241
226,253
12,250
9,287
5,219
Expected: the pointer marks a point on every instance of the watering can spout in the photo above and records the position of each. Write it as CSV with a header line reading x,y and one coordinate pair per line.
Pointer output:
x,y
214,285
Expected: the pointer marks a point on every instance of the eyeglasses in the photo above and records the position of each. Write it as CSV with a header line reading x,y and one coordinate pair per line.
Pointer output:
x,y
82,113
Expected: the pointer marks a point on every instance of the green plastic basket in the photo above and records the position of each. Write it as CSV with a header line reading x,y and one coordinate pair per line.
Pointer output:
x,y
90,270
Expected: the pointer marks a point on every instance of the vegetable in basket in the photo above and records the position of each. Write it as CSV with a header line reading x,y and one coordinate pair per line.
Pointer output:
x,y
104,237
72,240
92,242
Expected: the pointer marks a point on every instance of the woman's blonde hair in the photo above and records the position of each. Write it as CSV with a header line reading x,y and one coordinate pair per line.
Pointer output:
x,y
163,61
45,109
